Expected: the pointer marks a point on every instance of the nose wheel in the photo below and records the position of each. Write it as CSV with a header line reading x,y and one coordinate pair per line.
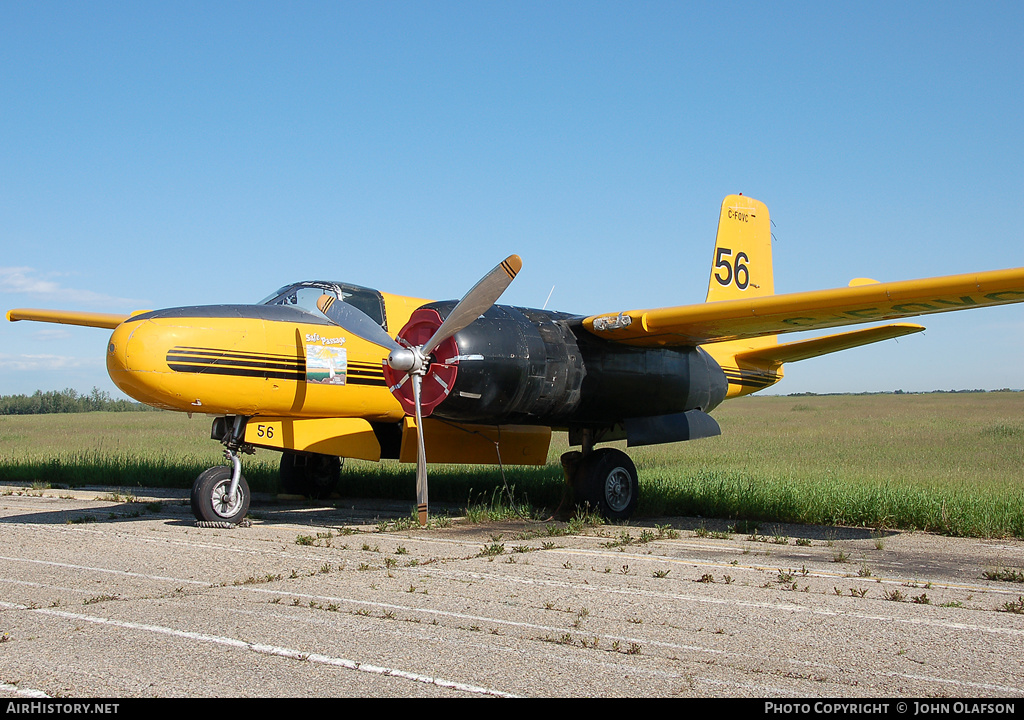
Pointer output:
x,y
221,494
212,499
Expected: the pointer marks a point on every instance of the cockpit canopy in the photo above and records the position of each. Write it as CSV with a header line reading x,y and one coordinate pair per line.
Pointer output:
x,y
304,295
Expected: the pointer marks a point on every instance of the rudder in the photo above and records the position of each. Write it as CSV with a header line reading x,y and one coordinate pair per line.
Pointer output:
x,y
742,268
742,263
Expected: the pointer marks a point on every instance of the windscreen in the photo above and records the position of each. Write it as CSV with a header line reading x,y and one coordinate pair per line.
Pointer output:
x,y
304,296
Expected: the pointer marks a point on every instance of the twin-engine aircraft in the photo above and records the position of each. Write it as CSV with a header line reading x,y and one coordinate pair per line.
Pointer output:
x,y
317,371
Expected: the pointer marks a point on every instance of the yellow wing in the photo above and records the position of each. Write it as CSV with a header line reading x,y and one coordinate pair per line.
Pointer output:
x,y
68,317
735,319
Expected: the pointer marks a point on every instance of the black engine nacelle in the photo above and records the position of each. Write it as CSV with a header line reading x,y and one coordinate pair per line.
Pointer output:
x,y
537,367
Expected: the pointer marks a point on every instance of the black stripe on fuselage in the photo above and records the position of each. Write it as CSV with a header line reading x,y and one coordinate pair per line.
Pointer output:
x,y
225,357
238,372
235,364
359,374
365,374
259,365
351,379
750,378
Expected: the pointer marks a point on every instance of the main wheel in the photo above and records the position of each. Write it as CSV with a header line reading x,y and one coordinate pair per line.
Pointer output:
x,y
315,476
210,501
607,480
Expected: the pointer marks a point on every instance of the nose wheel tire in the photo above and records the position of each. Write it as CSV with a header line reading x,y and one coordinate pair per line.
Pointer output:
x,y
607,480
210,501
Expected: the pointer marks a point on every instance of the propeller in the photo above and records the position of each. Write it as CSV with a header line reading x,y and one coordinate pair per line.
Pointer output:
x,y
415,361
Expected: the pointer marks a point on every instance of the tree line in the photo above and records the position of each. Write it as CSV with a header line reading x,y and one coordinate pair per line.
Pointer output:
x,y
65,401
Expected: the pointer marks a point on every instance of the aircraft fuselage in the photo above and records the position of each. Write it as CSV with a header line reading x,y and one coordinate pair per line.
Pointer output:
x,y
513,365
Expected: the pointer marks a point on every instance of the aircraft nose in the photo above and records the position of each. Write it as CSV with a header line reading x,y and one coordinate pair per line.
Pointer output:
x,y
118,366
117,355
129,364
215,361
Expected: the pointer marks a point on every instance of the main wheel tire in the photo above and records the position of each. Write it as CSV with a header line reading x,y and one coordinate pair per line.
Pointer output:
x,y
209,496
314,476
607,480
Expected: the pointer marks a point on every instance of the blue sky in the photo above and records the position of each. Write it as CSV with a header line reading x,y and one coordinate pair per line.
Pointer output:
x,y
166,154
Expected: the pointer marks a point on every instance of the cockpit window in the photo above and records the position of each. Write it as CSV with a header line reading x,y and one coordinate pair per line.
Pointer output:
x,y
304,296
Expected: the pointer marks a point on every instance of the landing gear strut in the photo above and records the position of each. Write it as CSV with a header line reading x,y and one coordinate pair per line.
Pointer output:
x,y
221,493
604,479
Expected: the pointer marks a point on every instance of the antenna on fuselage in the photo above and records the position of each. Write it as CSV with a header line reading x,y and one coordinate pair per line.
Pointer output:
x,y
549,298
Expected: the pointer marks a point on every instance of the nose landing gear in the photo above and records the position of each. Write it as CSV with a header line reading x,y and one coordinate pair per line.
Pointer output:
x,y
213,499
221,494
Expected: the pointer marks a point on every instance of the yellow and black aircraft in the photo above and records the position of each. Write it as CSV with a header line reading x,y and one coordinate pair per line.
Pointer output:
x,y
317,371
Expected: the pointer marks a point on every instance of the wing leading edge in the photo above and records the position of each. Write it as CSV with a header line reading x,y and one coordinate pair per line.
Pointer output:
x,y
776,314
68,317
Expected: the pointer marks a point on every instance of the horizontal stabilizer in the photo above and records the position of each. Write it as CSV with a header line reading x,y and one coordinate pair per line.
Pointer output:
x,y
803,349
68,317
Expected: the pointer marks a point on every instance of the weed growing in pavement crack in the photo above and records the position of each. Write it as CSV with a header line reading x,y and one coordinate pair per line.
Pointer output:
x,y
1004,575
492,550
1016,606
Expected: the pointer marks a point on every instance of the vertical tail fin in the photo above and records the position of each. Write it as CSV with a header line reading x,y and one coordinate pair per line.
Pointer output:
x,y
742,264
742,268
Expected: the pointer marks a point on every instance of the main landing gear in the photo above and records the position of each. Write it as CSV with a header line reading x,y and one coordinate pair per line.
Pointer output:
x,y
221,494
605,479
309,474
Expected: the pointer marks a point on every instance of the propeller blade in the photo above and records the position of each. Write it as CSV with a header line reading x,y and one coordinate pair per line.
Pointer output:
x,y
355,321
421,454
476,302
415,361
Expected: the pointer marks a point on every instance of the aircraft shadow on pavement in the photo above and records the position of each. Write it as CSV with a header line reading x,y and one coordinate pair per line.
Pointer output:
x,y
172,507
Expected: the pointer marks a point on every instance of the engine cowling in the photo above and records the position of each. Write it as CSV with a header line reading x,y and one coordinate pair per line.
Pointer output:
x,y
516,365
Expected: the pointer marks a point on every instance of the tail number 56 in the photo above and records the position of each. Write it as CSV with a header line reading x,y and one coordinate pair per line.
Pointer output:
x,y
730,272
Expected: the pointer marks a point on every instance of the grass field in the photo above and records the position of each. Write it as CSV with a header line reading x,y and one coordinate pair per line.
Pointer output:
x,y
949,463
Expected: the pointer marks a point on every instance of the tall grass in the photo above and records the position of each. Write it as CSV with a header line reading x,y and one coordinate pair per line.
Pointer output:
x,y
950,463
152,449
